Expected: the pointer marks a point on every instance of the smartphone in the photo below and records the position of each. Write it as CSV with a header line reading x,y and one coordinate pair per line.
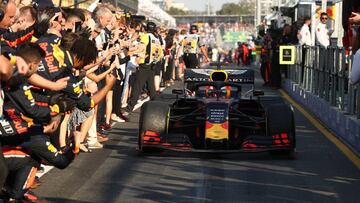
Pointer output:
x,y
77,26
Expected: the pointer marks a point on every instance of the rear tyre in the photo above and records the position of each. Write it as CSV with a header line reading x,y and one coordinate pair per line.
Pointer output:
x,y
280,119
154,116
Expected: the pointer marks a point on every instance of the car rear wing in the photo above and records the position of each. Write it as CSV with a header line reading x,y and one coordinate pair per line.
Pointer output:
x,y
242,76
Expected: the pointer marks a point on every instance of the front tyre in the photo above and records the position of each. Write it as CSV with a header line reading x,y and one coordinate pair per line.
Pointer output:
x,y
280,120
154,117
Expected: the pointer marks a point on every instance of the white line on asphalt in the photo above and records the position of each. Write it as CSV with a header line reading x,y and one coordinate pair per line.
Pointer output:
x,y
46,170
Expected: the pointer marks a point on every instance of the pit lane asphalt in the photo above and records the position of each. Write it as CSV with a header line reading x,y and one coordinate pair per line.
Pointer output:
x,y
117,173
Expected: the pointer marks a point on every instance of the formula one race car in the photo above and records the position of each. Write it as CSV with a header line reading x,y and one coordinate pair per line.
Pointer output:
x,y
215,116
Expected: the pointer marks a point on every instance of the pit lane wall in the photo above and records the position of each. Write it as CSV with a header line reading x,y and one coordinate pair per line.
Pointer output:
x,y
346,127
319,81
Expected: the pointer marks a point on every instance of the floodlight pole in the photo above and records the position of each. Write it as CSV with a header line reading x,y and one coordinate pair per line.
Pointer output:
x,y
255,16
323,5
208,8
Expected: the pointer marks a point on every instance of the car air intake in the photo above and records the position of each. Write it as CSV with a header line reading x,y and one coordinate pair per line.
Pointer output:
x,y
219,76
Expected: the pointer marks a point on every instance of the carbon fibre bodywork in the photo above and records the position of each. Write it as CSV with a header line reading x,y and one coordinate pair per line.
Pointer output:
x,y
215,117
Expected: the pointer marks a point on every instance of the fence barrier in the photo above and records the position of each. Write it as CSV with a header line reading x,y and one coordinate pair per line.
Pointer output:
x,y
326,74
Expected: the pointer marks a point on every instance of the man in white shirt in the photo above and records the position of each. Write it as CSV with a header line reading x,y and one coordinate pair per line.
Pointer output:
x,y
304,34
322,33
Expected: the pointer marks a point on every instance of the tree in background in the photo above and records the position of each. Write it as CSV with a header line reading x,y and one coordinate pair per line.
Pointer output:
x,y
244,7
176,11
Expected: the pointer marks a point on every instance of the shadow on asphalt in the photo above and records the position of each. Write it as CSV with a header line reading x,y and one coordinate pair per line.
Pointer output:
x,y
64,200
217,175
320,174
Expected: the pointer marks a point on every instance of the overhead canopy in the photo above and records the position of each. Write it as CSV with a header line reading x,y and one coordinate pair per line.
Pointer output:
x,y
272,16
291,3
130,5
155,13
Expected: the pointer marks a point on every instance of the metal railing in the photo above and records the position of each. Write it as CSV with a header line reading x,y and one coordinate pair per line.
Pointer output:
x,y
326,74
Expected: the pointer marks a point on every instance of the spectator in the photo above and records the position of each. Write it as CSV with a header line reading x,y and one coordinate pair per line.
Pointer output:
x,y
83,54
354,18
350,16
9,16
322,32
26,19
304,37
355,71
304,34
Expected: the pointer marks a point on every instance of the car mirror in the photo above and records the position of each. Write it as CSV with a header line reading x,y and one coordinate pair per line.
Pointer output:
x,y
257,93
177,91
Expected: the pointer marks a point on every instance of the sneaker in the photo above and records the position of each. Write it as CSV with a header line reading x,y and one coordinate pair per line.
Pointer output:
x,y
36,183
125,117
30,196
102,138
143,97
117,119
96,145
106,126
102,131
84,148
125,113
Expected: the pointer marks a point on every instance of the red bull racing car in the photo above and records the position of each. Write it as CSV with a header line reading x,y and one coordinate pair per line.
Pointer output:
x,y
213,115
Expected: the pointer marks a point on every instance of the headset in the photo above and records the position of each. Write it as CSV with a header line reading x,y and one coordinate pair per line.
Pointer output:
x,y
2,11
194,27
151,27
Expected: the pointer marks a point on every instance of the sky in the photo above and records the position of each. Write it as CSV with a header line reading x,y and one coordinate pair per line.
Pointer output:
x,y
199,5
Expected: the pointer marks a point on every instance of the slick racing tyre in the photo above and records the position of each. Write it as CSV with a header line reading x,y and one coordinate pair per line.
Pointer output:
x,y
154,117
280,120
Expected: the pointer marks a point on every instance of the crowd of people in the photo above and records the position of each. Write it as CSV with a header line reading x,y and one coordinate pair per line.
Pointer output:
x,y
67,74
354,21
210,32
272,38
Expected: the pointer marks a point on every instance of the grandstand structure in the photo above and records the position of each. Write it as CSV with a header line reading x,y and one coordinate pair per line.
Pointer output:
x,y
242,19
130,5
220,30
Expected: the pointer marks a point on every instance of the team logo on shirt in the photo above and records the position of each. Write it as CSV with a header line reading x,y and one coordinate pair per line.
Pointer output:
x,y
28,94
51,147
